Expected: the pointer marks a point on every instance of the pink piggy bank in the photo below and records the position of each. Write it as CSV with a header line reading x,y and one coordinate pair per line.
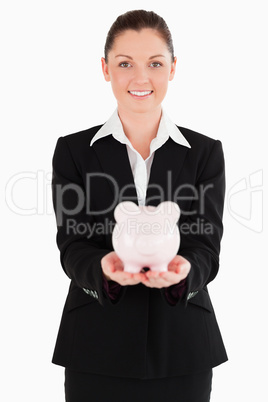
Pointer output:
x,y
146,236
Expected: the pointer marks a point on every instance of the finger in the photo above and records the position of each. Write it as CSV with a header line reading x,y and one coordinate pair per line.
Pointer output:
x,y
139,277
164,279
107,263
126,278
108,269
154,280
152,274
156,284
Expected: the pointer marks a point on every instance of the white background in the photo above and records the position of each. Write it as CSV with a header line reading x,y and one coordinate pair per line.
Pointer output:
x,y
52,85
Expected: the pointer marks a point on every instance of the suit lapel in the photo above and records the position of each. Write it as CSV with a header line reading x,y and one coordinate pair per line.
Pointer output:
x,y
114,161
166,167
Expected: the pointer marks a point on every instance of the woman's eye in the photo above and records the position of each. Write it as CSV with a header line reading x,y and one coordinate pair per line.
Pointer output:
x,y
124,65
155,64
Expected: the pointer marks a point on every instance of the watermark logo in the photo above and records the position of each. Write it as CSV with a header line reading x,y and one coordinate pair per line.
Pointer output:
x,y
37,187
29,193
245,201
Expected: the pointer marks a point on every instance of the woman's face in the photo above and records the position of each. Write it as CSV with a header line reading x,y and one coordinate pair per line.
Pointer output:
x,y
139,67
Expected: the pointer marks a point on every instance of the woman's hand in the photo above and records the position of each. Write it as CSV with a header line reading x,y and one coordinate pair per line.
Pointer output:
x,y
178,269
113,269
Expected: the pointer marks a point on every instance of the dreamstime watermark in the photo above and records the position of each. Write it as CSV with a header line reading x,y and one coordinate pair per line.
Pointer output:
x,y
244,199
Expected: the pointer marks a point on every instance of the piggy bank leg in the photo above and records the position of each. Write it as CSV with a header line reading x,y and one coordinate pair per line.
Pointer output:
x,y
131,268
159,268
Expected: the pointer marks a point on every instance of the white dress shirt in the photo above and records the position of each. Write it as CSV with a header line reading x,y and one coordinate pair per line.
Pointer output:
x,y
141,168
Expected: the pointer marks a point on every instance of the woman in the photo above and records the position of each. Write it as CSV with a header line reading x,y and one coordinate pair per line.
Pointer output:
x,y
147,336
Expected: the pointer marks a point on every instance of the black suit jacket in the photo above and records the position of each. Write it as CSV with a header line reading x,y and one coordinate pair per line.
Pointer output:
x,y
139,334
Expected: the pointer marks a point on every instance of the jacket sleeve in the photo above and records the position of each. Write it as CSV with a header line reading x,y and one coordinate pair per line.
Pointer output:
x,y
80,253
201,229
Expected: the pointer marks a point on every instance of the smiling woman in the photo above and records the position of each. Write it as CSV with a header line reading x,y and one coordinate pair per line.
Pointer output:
x,y
149,336
139,66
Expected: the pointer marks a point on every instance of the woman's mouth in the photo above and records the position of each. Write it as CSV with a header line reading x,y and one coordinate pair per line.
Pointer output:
x,y
140,94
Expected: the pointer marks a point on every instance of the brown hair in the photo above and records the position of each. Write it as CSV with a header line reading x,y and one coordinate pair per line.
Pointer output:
x,y
138,20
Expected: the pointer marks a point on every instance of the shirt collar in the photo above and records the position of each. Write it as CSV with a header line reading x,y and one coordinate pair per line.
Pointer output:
x,y
166,129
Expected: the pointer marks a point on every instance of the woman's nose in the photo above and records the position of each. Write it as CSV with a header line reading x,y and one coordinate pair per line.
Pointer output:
x,y
141,76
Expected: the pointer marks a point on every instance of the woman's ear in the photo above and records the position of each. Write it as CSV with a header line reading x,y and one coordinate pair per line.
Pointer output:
x,y
173,69
105,69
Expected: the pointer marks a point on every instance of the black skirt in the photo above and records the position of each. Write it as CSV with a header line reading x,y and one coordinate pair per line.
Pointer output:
x,y
86,387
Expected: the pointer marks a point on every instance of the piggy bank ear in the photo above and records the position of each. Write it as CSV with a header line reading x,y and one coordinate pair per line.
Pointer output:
x,y
170,209
125,209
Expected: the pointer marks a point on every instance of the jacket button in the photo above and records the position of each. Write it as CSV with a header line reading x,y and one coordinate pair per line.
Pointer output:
x,y
192,294
92,293
87,291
